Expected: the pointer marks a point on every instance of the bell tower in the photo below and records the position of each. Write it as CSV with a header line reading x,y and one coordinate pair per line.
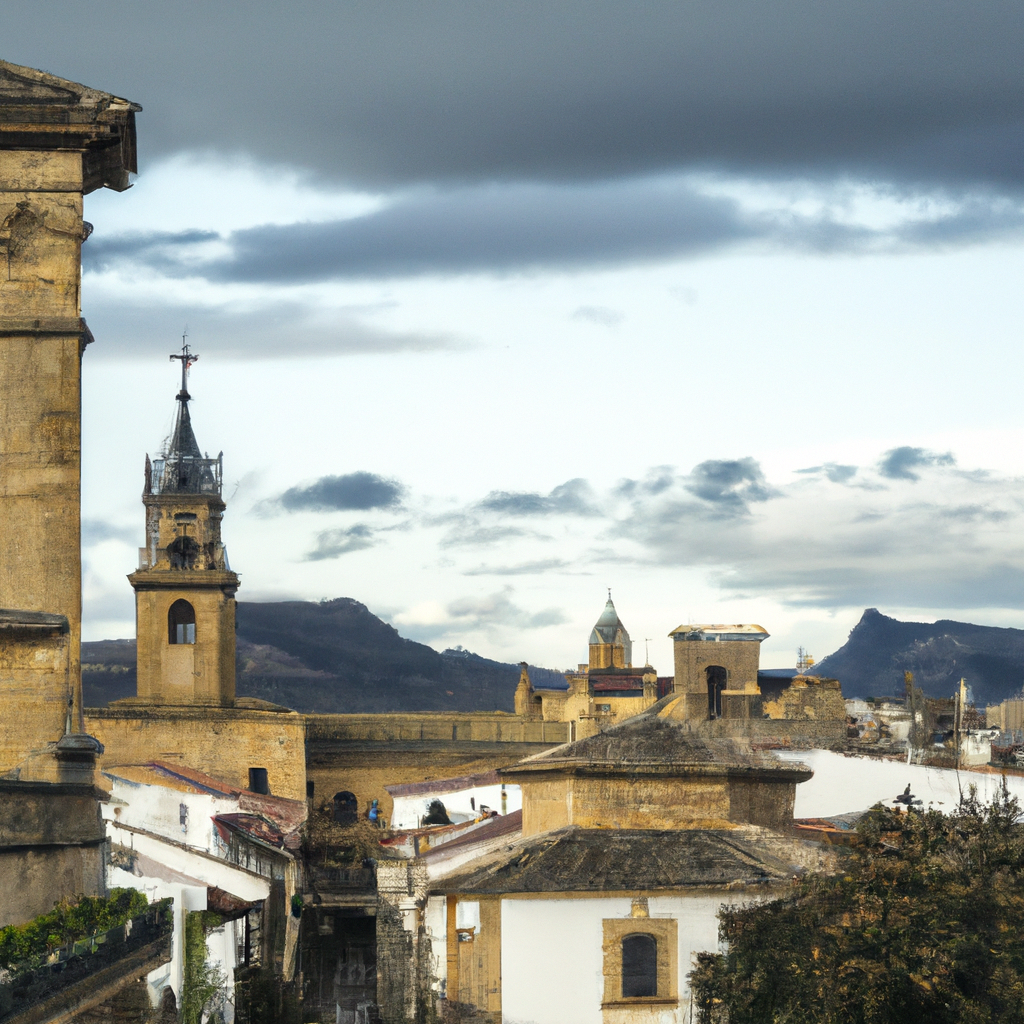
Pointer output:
x,y
610,646
184,586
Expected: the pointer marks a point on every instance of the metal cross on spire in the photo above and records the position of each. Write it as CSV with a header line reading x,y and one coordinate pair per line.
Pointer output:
x,y
187,357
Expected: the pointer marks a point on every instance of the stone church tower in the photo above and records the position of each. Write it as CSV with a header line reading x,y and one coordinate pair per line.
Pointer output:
x,y
60,141
184,587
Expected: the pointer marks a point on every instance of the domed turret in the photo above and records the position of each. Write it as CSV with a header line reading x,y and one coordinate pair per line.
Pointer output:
x,y
610,646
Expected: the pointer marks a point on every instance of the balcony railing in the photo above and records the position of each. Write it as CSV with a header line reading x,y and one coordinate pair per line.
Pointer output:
x,y
22,987
186,475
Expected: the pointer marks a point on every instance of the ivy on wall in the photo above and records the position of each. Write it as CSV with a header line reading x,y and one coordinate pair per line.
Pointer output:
x,y
203,984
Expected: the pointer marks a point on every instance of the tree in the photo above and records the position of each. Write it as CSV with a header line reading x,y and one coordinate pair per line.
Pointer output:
x,y
924,922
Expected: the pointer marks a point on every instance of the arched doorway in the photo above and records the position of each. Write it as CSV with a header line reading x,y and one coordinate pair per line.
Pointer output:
x,y
717,677
346,808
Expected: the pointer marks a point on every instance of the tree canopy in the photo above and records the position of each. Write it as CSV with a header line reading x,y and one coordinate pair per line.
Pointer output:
x,y
924,922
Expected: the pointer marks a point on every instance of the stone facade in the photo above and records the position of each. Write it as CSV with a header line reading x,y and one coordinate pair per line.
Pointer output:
x,y
654,773
714,663
604,691
52,845
61,140
362,754
223,742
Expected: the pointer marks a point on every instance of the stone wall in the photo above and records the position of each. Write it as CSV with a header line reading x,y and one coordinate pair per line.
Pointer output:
x,y
362,754
739,658
638,801
223,742
52,844
41,343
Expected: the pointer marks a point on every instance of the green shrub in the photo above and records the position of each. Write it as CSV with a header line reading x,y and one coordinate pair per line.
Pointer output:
x,y
70,920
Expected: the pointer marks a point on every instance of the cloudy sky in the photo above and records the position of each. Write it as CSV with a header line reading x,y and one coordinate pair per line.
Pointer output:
x,y
501,304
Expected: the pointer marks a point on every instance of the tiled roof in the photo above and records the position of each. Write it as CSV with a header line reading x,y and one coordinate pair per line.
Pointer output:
x,y
452,785
574,859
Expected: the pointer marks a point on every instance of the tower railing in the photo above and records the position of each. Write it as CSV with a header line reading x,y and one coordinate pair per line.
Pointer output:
x,y
187,475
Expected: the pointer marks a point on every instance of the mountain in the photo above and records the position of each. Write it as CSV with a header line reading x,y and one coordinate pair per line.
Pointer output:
x,y
880,649
332,656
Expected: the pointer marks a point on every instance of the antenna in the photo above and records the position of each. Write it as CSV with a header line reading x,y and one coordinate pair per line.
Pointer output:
x,y
647,654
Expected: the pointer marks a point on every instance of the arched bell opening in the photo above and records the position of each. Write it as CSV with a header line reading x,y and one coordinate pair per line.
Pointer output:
x,y
181,623
717,677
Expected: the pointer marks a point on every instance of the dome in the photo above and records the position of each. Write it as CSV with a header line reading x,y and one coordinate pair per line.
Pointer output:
x,y
609,628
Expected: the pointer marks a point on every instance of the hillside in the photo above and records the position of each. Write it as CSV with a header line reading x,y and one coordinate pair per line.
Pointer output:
x,y
332,656
880,649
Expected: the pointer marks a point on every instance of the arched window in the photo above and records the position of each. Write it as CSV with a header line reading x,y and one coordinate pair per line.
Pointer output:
x,y
346,807
717,677
639,965
181,623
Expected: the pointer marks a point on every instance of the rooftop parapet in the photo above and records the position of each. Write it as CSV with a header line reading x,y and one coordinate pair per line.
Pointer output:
x,y
718,632
41,111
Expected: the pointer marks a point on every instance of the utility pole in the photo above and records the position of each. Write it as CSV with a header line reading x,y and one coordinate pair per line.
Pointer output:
x,y
912,736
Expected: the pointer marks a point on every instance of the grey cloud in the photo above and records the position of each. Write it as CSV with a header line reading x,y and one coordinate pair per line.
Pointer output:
x,y
729,484
574,497
125,329
353,491
599,315
986,584
657,480
468,533
499,610
334,543
515,227
158,249
535,568
458,230
901,463
402,91
834,471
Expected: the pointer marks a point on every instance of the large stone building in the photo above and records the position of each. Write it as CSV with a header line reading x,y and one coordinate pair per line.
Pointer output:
x,y
632,840
60,141
606,690
717,681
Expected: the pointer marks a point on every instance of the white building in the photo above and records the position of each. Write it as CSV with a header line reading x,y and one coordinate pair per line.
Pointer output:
x,y
180,833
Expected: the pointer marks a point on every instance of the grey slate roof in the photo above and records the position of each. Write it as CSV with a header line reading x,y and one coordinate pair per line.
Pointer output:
x,y
575,859
650,744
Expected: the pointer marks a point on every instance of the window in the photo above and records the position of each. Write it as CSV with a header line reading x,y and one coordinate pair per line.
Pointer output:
x,y
181,623
639,966
346,807
641,958
717,681
258,782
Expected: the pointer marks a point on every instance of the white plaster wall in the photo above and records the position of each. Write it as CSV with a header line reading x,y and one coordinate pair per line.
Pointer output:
x,y
157,809
552,962
186,897
223,946
408,810
842,784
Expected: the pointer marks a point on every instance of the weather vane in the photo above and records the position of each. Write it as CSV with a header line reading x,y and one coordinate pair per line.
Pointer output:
x,y
187,357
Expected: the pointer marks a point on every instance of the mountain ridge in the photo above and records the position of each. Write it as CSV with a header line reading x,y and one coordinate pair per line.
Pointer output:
x,y
880,649
332,656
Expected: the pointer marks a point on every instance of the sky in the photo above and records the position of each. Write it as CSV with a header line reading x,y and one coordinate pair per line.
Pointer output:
x,y
714,304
